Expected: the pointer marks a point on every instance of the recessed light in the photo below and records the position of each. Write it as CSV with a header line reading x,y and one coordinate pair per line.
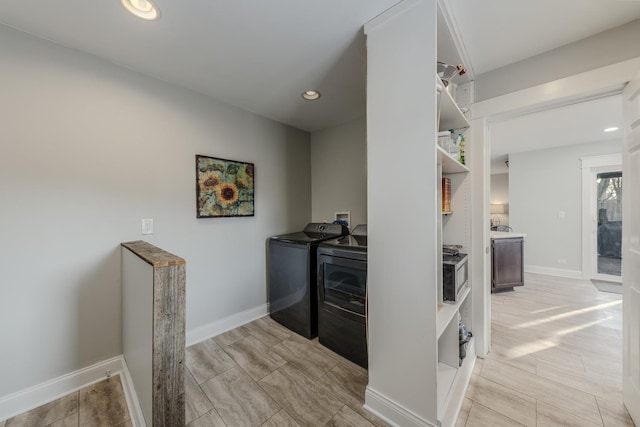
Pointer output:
x,y
611,129
311,95
141,8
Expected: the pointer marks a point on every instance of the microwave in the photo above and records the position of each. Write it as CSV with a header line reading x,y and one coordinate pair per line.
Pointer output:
x,y
455,275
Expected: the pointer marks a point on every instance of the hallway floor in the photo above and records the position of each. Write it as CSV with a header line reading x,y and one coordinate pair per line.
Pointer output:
x,y
555,360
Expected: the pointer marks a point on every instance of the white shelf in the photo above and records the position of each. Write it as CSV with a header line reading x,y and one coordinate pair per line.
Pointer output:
x,y
447,311
452,391
449,164
446,377
450,115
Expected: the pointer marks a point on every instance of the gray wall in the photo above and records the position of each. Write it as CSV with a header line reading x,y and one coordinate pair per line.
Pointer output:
x,y
87,150
338,171
542,184
500,195
608,47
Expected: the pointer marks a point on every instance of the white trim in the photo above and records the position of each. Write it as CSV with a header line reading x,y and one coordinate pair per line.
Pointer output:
x,y
390,13
391,412
605,80
48,391
558,272
213,329
631,393
135,410
590,166
604,160
454,31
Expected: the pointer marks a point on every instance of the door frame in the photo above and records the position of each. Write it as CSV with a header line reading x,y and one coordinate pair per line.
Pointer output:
x,y
591,166
604,81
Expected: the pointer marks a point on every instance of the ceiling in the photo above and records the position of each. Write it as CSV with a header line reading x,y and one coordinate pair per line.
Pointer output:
x,y
496,33
579,123
261,55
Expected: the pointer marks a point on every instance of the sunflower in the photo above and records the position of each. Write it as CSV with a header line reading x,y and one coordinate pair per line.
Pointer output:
x,y
227,193
209,181
249,169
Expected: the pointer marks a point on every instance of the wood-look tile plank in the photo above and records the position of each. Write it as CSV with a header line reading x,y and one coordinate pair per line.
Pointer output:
x,y
518,357
306,357
103,403
614,414
196,402
238,399
562,358
463,416
550,416
71,421
274,328
504,400
281,419
347,417
308,403
210,419
348,381
227,338
206,359
480,416
48,413
598,385
255,357
567,398
263,335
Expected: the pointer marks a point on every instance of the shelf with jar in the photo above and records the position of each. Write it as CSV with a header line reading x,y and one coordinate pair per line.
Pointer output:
x,y
449,114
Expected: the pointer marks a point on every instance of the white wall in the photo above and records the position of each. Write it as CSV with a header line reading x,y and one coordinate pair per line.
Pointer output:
x,y
500,195
87,150
542,184
599,50
339,172
402,178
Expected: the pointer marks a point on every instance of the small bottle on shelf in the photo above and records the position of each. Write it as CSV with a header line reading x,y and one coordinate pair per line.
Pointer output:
x,y
462,148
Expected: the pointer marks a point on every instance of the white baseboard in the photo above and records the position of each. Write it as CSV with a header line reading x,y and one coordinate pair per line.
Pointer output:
x,y
48,391
558,272
391,412
135,410
226,324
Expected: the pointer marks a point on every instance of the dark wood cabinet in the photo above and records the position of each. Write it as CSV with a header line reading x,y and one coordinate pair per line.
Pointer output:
x,y
507,263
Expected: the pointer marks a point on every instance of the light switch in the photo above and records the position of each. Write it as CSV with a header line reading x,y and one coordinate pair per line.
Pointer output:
x,y
147,226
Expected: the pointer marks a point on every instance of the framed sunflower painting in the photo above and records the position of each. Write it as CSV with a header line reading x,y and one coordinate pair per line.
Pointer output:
x,y
224,187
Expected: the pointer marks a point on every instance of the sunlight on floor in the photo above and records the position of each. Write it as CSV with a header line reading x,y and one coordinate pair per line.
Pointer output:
x,y
569,314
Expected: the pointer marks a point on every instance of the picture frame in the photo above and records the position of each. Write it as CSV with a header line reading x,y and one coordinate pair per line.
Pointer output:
x,y
224,188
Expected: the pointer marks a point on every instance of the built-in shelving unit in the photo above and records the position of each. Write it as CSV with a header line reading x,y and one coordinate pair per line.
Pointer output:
x,y
405,298
452,378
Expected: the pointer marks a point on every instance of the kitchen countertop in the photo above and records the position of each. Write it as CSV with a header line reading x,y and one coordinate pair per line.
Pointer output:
x,y
506,235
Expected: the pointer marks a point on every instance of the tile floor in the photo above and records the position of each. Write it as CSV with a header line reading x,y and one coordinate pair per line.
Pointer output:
x,y
262,374
555,361
97,405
